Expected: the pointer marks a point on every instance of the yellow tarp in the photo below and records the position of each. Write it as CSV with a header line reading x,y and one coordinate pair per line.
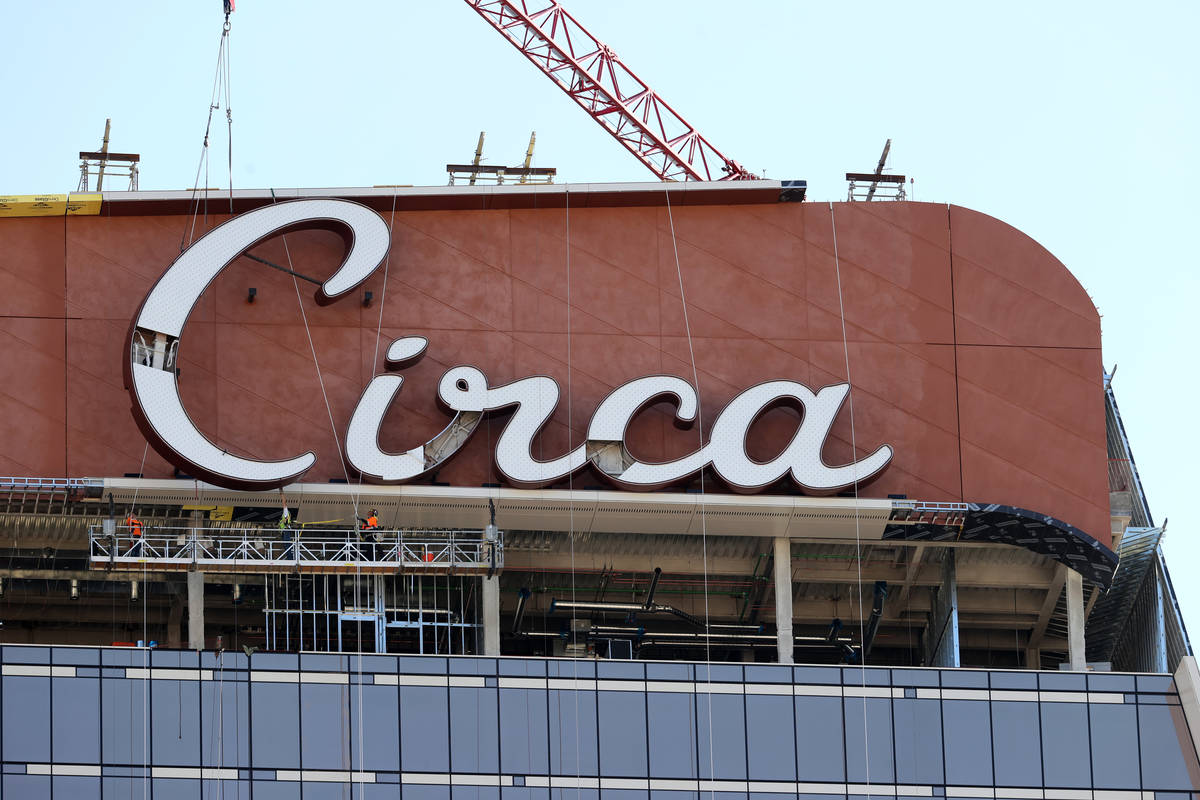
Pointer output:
x,y
222,513
49,205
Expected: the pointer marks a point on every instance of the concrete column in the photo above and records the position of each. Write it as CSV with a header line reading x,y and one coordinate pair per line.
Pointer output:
x,y
1033,658
941,635
491,616
785,640
1075,621
195,601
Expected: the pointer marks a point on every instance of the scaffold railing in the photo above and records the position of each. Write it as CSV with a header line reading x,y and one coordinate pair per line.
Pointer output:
x,y
289,550
9,483
920,512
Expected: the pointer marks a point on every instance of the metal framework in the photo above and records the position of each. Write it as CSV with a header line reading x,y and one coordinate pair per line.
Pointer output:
x,y
97,162
271,550
485,173
525,172
26,495
893,185
593,76
321,612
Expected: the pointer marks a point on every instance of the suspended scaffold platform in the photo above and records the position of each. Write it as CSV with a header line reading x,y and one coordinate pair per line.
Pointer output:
x,y
266,550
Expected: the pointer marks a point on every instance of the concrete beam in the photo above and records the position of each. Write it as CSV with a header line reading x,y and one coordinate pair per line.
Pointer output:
x,y
125,576
915,560
1048,605
814,570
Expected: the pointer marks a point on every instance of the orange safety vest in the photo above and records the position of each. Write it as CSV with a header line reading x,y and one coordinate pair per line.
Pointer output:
x,y
135,526
372,522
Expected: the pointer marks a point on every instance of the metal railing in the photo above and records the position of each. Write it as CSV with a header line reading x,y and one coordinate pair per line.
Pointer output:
x,y
919,512
275,550
48,485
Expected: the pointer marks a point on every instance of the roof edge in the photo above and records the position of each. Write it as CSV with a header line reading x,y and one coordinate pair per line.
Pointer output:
x,y
463,198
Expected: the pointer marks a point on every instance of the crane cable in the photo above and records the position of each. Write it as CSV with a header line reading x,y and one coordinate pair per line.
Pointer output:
x,y
316,362
862,650
220,95
703,506
571,494
358,493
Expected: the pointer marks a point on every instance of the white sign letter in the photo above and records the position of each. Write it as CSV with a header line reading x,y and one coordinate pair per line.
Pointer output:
x,y
154,340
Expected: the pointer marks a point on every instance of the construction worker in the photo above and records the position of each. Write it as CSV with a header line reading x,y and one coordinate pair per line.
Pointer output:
x,y
135,533
369,532
286,534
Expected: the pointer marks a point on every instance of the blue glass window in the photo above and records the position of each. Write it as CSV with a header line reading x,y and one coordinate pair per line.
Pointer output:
x,y
672,728
525,742
76,725
966,726
1066,752
918,726
723,757
276,744
869,748
771,737
474,730
424,728
26,718
622,725
820,749
1018,752
573,746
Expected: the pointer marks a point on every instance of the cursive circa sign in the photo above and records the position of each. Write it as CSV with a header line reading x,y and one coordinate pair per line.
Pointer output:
x,y
150,375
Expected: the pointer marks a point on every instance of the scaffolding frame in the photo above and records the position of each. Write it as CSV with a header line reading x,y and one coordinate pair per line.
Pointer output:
x,y
295,550
310,612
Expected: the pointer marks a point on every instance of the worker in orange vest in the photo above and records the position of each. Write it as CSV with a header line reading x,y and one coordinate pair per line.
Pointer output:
x,y
135,533
370,530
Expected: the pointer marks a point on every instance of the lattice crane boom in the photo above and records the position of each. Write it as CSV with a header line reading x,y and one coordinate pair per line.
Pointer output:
x,y
592,75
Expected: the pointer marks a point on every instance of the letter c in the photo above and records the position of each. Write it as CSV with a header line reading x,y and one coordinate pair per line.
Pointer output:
x,y
155,333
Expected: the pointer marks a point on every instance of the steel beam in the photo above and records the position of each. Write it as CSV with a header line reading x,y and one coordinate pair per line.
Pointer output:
x,y
941,635
1032,656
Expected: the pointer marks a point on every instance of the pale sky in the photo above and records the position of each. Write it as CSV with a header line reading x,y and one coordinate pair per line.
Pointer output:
x,y
1076,122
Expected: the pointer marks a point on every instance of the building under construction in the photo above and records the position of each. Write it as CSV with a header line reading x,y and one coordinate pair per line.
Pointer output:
x,y
515,490
677,437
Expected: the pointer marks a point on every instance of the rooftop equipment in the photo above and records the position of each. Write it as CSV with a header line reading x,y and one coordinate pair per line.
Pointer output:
x,y
866,186
100,162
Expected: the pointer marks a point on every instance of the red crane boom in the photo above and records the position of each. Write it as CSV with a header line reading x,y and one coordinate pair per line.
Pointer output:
x,y
592,75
